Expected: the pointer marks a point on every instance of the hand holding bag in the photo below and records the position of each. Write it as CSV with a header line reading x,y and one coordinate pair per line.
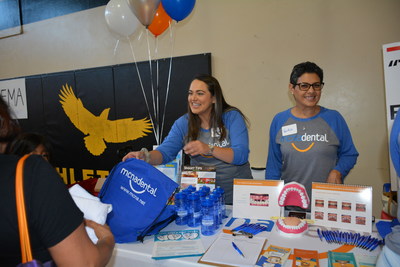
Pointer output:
x,y
26,252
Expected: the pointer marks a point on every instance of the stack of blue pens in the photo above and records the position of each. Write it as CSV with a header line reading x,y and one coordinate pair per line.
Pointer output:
x,y
355,239
249,229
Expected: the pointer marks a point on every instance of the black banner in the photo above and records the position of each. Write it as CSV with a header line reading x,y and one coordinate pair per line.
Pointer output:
x,y
88,115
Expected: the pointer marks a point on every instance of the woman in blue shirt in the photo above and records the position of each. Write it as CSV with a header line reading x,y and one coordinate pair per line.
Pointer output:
x,y
309,143
212,133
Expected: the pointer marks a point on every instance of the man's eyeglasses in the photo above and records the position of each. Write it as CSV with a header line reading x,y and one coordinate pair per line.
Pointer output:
x,y
306,86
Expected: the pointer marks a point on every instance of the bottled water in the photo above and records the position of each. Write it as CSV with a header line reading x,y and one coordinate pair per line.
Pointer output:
x,y
181,209
214,198
222,201
208,220
194,210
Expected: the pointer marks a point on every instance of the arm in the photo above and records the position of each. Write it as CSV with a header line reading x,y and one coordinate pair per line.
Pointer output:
x,y
395,144
153,157
58,223
197,147
169,148
274,162
347,152
84,252
238,153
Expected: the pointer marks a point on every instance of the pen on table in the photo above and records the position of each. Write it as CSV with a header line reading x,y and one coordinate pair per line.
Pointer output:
x,y
237,249
319,234
375,245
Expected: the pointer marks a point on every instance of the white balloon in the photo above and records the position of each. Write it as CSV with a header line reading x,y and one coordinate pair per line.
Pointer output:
x,y
120,18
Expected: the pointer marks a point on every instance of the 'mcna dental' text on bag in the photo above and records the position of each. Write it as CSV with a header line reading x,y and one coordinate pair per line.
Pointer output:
x,y
139,194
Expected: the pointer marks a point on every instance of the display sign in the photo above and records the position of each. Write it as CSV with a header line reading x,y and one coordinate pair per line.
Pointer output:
x,y
391,66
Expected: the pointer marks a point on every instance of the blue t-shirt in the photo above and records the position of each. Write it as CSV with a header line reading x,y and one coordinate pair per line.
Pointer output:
x,y
306,150
392,240
237,139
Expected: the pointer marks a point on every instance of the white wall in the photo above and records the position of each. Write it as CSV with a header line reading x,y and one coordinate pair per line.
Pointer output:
x,y
254,45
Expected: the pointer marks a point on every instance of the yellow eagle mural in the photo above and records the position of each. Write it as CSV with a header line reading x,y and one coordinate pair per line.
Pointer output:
x,y
98,129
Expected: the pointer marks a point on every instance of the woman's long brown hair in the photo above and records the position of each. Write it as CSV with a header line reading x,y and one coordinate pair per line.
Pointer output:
x,y
217,109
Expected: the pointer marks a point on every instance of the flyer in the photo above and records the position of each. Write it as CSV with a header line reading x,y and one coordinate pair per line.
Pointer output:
x,y
174,244
342,206
256,199
198,176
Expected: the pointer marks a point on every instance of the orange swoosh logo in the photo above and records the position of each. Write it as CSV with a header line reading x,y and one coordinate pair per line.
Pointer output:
x,y
302,150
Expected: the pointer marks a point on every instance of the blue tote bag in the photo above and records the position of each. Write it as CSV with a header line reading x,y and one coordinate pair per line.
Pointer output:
x,y
138,193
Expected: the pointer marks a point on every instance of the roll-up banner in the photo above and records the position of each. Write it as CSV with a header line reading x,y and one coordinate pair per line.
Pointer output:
x,y
391,65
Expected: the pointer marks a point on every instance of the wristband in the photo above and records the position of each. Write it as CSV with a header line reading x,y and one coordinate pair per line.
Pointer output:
x,y
146,154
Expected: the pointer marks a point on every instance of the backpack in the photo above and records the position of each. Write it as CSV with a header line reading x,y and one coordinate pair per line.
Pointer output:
x,y
139,195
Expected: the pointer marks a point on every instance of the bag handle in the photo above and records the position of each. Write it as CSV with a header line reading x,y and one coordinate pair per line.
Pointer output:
x,y
26,252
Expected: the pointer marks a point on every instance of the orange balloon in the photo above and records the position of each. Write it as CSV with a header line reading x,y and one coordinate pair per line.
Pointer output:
x,y
160,22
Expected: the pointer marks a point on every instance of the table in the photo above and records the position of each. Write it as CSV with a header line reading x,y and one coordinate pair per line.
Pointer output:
x,y
139,254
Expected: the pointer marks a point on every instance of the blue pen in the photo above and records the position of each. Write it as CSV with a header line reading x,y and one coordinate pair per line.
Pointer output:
x,y
360,240
375,245
237,249
366,241
319,234
373,241
325,234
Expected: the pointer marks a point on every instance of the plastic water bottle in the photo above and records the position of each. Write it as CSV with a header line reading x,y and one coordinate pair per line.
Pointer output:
x,y
194,210
217,218
181,209
207,219
222,201
206,189
218,197
190,188
203,194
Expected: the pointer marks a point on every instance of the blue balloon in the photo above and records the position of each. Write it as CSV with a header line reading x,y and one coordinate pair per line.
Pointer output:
x,y
178,9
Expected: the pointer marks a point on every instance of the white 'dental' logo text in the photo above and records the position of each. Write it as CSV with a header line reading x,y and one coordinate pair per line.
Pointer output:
x,y
139,181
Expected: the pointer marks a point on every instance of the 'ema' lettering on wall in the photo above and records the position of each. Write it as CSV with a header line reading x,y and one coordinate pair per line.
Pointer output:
x,y
14,93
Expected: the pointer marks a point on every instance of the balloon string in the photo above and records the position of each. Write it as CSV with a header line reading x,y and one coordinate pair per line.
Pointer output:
x,y
151,82
141,85
172,42
115,48
157,88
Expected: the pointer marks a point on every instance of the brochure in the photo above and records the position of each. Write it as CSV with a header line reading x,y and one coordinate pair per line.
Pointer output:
x,y
172,169
304,257
198,176
341,259
342,206
365,260
274,256
256,199
174,244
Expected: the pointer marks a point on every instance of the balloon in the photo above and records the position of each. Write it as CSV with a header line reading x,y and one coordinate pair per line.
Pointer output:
x,y
178,9
160,22
144,10
120,18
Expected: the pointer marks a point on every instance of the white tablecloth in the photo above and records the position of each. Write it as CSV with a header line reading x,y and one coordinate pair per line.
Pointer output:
x,y
139,254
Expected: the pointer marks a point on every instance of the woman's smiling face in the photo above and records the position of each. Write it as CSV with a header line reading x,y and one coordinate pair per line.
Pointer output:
x,y
200,99
309,98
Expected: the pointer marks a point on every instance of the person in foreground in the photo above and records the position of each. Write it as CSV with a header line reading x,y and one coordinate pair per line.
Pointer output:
x,y
212,133
309,143
56,225
390,255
